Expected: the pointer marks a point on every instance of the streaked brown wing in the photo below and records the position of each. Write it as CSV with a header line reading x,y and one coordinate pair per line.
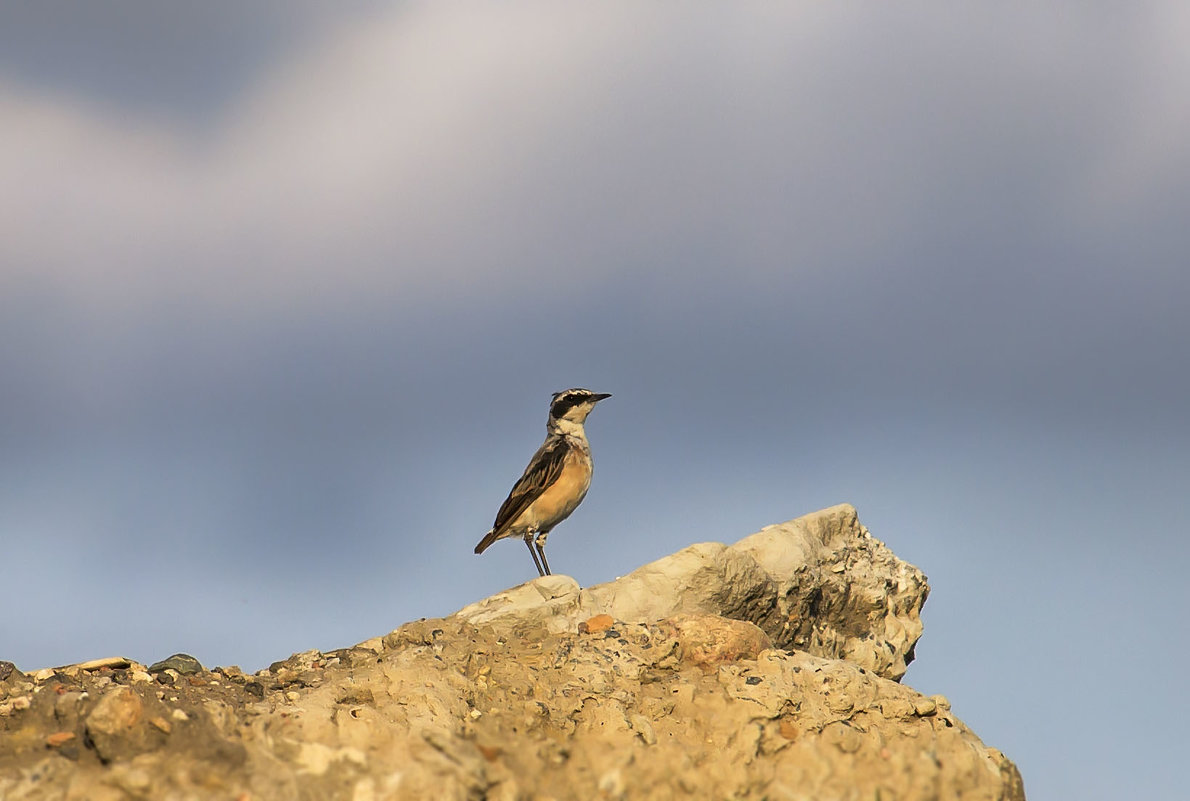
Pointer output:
x,y
544,469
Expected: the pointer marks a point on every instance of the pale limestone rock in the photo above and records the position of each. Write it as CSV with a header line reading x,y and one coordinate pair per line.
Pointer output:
x,y
553,600
113,662
676,681
820,583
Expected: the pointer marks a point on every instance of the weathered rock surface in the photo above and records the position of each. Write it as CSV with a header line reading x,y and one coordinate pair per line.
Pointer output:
x,y
820,584
762,670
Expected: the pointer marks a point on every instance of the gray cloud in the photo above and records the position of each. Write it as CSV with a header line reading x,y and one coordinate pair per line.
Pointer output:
x,y
162,56
489,146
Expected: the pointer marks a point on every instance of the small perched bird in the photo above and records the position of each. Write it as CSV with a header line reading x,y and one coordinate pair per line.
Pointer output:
x,y
554,483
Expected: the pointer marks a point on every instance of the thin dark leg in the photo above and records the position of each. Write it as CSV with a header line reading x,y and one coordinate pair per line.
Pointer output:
x,y
533,553
539,541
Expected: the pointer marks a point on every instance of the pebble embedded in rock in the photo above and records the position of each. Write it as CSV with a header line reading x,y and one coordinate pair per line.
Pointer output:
x,y
596,624
58,738
788,730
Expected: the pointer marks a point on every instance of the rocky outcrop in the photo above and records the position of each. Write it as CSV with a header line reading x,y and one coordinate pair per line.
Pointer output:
x,y
820,584
767,669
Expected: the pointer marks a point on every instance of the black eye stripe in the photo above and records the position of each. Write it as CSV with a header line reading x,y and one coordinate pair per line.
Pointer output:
x,y
564,403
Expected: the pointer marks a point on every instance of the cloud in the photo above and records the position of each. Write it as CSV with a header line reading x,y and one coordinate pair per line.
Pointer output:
x,y
430,146
945,197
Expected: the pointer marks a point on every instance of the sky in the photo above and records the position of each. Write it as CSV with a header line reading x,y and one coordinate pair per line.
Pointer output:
x,y
285,289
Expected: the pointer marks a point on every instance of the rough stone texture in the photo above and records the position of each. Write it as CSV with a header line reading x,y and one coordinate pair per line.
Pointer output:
x,y
543,692
821,584
112,726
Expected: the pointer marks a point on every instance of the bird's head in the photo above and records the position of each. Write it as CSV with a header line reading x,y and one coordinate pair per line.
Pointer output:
x,y
573,405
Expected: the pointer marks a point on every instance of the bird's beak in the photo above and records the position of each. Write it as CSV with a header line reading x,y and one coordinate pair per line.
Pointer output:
x,y
598,396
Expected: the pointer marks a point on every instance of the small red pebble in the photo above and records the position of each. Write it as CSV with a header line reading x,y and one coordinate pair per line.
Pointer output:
x,y
599,623
58,738
788,730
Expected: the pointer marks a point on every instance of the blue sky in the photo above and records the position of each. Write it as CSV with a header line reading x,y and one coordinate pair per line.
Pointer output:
x,y
284,293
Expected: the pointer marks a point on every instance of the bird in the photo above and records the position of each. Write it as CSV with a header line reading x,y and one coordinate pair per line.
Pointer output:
x,y
555,481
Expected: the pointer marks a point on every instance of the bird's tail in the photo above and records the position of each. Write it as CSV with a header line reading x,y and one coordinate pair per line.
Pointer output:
x,y
487,540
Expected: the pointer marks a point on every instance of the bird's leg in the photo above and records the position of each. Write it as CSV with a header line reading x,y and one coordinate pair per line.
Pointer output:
x,y
539,541
529,545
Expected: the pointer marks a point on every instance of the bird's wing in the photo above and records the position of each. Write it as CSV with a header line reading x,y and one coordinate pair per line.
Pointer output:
x,y
544,469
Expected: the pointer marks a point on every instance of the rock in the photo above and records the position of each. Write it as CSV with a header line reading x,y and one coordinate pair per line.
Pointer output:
x,y
820,583
596,624
112,662
59,738
718,672
113,727
375,645
553,600
9,671
708,640
182,664
12,705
